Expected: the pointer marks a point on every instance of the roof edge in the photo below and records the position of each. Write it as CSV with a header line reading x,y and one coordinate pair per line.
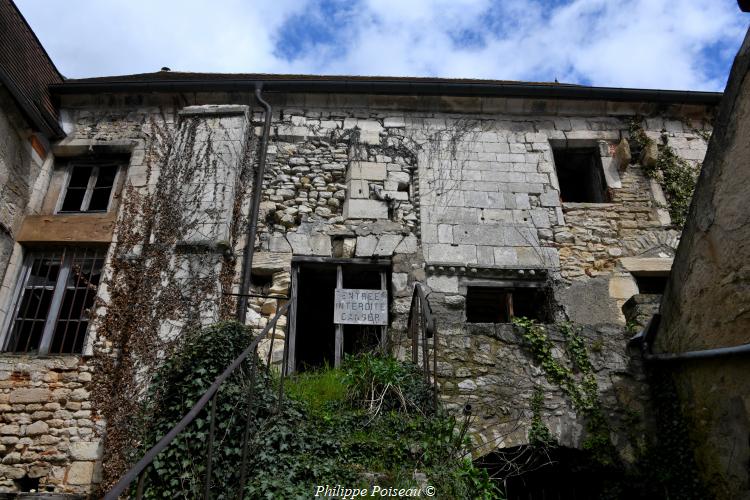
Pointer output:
x,y
36,117
397,87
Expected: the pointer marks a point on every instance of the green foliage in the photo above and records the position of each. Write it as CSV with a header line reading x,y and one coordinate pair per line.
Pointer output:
x,y
324,432
383,383
577,381
676,176
539,434
637,134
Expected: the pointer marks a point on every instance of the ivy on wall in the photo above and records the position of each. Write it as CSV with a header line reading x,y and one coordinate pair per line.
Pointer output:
x,y
577,381
676,176
155,288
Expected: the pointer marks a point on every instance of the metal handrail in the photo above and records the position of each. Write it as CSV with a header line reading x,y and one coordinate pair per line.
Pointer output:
x,y
421,324
209,396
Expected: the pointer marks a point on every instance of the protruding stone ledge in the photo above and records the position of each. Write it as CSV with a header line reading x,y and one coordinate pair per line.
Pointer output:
x,y
214,110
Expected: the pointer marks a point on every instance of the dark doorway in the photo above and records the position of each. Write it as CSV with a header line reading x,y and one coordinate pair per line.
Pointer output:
x,y
580,175
315,332
361,338
539,473
315,336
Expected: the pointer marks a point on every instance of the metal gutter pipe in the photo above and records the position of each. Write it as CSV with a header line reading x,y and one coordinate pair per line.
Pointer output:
x,y
397,87
648,335
252,223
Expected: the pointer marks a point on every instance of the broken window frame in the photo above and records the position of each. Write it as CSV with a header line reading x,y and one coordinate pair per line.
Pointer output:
x,y
507,289
96,167
67,258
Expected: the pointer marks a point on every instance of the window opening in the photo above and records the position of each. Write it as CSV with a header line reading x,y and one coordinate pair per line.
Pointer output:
x,y
56,300
580,175
89,188
651,284
502,304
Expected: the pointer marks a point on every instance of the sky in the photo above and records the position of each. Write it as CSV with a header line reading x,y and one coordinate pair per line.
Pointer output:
x,y
664,44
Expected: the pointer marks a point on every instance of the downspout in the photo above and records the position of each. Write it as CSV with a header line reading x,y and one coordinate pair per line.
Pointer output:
x,y
648,336
252,223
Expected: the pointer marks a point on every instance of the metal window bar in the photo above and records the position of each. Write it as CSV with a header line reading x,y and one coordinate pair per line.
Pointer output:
x,y
84,284
45,290
38,288
421,325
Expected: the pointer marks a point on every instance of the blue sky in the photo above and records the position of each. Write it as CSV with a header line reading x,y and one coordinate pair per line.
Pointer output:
x,y
687,44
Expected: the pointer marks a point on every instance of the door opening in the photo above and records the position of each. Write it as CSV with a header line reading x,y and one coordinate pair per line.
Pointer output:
x,y
316,337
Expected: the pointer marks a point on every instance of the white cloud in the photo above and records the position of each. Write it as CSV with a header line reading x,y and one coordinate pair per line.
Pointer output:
x,y
629,43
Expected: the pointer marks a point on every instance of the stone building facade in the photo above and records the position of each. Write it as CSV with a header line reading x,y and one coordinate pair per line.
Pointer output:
x,y
471,196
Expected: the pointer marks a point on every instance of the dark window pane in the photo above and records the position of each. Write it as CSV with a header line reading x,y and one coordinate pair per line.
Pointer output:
x,y
44,272
651,284
78,301
106,178
486,305
532,303
99,200
27,335
73,200
79,177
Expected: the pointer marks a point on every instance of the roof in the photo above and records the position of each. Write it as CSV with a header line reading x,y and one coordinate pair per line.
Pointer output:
x,y
26,70
174,81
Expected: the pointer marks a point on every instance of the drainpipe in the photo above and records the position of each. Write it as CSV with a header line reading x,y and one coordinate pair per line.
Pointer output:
x,y
648,336
252,223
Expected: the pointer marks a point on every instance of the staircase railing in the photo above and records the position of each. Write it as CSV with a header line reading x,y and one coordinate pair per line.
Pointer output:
x,y
421,325
137,472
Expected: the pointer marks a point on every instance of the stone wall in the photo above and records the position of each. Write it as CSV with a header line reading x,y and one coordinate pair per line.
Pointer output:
x,y
707,299
449,196
24,177
49,432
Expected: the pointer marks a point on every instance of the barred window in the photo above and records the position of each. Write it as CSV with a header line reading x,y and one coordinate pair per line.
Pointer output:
x,y
89,187
56,299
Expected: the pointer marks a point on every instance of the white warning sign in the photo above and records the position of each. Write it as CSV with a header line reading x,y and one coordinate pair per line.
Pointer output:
x,y
360,307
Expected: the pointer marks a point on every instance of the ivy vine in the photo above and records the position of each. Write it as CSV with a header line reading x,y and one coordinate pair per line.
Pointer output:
x,y
675,175
577,381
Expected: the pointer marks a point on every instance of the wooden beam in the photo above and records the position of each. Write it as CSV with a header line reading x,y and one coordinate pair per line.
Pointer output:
x,y
339,345
291,338
69,228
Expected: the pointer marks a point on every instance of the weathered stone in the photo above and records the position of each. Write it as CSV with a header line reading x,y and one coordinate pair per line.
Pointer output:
x,y
407,245
365,209
649,154
622,155
387,244
320,244
38,427
366,170
80,473
366,246
30,396
83,450
267,263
